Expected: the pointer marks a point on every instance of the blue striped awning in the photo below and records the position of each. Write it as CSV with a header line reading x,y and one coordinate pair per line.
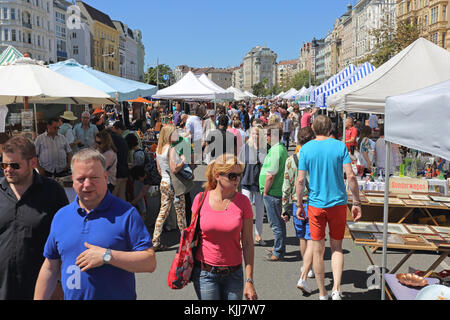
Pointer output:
x,y
333,82
360,73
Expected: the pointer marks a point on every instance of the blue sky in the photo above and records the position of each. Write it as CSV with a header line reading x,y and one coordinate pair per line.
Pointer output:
x,y
218,33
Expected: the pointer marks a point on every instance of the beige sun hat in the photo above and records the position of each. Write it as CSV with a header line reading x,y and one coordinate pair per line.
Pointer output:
x,y
68,115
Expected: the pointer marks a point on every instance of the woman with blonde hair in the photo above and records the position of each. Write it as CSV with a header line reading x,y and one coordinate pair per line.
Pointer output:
x,y
105,145
226,221
167,191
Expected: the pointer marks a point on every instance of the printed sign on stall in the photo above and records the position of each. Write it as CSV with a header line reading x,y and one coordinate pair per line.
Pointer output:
x,y
407,185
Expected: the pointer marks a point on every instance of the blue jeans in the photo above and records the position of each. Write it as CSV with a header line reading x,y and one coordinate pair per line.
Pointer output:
x,y
273,209
211,286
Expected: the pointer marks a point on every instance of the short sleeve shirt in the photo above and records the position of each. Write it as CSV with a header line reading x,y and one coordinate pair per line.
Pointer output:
x,y
306,120
323,161
87,137
116,225
351,133
274,164
52,152
221,231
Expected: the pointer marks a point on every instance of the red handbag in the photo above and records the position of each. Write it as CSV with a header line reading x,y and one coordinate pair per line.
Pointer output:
x,y
183,263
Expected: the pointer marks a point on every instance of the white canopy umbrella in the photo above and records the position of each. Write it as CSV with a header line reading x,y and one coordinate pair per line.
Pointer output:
x,y
189,88
420,65
238,94
27,80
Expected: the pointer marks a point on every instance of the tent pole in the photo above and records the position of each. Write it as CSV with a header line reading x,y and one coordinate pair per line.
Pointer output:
x,y
35,120
343,125
385,218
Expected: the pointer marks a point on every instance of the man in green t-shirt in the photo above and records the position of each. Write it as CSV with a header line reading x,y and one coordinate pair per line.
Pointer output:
x,y
271,185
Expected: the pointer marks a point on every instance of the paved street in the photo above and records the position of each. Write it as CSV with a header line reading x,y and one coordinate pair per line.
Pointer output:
x,y
277,280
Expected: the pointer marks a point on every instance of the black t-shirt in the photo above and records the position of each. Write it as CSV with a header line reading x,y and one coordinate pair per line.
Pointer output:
x,y
24,228
221,141
122,155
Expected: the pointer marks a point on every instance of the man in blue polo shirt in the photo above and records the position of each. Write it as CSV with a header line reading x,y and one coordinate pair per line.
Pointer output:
x,y
97,242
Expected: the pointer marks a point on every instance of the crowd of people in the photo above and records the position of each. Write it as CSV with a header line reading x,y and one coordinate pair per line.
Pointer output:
x,y
112,235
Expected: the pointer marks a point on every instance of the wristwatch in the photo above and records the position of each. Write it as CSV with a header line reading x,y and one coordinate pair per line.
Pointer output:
x,y
250,280
107,256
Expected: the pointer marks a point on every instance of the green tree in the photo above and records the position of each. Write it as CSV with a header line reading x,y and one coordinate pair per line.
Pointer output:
x,y
390,41
150,76
274,90
259,89
300,80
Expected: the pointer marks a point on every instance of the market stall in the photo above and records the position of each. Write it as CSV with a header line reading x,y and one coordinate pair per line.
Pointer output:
x,y
238,95
408,237
409,108
30,82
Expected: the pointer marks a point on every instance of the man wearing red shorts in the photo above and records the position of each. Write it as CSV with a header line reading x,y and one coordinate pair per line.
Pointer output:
x,y
324,160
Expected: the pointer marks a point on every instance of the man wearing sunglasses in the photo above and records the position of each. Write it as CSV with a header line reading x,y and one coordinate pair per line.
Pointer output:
x,y
28,203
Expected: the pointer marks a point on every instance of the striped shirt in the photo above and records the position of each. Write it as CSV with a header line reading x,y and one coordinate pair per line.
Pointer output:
x,y
52,152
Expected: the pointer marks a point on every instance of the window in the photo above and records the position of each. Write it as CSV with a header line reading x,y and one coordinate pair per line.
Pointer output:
x,y
74,35
60,32
60,17
5,35
5,13
444,34
38,22
13,35
60,45
29,38
75,50
13,14
50,45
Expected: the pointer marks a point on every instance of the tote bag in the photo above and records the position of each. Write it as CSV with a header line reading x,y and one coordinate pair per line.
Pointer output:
x,y
183,263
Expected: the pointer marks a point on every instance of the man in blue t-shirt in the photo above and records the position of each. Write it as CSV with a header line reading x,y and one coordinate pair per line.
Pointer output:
x,y
97,242
325,160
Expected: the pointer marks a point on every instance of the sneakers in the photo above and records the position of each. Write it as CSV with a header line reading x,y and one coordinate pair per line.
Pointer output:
x,y
336,295
303,285
310,273
324,297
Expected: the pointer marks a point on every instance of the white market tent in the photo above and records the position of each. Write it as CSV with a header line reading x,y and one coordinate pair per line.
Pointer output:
x,y
426,110
420,65
249,94
290,94
9,55
211,84
189,88
238,94
280,94
302,92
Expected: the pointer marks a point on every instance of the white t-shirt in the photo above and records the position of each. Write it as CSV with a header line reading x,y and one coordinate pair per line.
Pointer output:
x,y
194,127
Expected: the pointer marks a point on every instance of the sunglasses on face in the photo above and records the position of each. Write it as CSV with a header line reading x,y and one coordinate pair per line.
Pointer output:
x,y
14,166
232,176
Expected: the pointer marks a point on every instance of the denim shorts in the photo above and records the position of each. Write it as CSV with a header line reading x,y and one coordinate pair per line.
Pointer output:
x,y
302,230
212,286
